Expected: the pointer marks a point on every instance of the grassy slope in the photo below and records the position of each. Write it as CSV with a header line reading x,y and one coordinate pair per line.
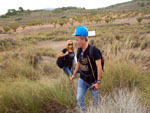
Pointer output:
x,y
132,5
24,89
119,42
46,16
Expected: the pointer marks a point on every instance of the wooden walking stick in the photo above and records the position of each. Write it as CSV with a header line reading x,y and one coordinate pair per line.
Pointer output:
x,y
73,87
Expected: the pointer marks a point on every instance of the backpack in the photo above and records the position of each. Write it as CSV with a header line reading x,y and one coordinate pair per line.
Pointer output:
x,y
60,62
91,55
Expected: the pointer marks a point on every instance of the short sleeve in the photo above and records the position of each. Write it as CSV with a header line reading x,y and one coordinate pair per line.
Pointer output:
x,y
97,54
64,50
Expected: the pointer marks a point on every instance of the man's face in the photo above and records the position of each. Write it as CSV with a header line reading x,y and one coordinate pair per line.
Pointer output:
x,y
79,42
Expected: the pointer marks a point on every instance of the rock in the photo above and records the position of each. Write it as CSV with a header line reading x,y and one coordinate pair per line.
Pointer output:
x,y
3,64
46,68
1,31
136,44
34,60
144,45
16,55
12,42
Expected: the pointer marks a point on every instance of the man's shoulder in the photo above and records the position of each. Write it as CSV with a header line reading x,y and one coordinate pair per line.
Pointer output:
x,y
96,49
93,49
95,52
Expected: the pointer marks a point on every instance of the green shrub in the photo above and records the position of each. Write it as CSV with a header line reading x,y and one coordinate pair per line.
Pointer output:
x,y
139,20
4,16
19,68
34,23
7,44
14,26
120,74
17,19
6,28
107,21
61,23
25,96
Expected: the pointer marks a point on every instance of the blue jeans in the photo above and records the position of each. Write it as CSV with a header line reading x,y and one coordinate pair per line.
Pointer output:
x,y
68,71
81,91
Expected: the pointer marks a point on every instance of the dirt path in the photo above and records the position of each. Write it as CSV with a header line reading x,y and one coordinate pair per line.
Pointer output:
x,y
55,45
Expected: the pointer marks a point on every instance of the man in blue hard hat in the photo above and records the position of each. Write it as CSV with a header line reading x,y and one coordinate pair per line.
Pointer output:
x,y
90,68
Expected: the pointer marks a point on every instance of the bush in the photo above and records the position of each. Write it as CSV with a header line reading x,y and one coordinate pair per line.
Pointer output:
x,y
34,23
107,21
25,96
14,26
19,68
7,44
139,20
119,74
6,28
61,23
17,19
4,16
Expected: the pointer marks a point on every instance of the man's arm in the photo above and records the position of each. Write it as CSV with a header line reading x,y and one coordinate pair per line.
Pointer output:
x,y
75,71
99,69
99,73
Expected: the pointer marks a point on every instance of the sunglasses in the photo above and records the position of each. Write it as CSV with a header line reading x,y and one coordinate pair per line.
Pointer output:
x,y
70,44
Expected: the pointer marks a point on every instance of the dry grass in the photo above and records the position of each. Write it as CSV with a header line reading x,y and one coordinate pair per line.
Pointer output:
x,y
121,101
24,89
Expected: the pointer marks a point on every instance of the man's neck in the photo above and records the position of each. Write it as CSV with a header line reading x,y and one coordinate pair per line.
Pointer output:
x,y
84,47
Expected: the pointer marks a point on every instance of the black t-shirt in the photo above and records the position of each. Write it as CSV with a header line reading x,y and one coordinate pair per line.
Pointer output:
x,y
68,62
86,72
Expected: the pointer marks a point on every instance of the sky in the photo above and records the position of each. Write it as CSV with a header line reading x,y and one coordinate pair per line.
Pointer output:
x,y
41,4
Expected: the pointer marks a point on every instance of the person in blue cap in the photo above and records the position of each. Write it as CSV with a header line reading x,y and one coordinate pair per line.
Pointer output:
x,y
90,68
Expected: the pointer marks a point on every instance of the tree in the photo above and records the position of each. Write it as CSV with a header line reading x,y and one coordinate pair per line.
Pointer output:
x,y
11,12
21,9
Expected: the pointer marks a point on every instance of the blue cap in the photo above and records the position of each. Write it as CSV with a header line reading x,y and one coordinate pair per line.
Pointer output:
x,y
81,31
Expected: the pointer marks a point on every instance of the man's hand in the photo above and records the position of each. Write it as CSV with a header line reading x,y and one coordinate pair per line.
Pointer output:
x,y
95,86
71,77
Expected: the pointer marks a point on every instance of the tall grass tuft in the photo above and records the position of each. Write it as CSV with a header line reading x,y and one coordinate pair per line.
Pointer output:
x,y
27,96
122,101
121,73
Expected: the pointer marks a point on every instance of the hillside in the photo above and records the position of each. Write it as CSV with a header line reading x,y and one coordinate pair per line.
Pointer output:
x,y
131,6
30,41
29,17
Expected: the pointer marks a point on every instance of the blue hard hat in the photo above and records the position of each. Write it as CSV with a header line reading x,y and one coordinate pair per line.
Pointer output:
x,y
81,31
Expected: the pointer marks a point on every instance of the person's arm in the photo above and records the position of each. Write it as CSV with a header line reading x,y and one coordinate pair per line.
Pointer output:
x,y
99,74
99,69
62,54
97,56
75,71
